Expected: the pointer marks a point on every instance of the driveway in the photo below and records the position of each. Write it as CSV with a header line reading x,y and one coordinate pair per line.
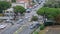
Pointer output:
x,y
54,30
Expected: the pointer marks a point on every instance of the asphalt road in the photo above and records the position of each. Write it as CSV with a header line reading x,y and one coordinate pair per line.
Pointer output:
x,y
11,29
26,29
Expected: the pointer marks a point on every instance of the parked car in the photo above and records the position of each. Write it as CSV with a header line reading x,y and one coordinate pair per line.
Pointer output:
x,y
2,26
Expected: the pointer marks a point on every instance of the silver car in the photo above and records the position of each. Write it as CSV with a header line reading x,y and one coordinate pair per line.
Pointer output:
x,y
3,26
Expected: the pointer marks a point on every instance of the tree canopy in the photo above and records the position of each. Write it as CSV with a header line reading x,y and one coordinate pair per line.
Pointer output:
x,y
34,18
4,5
50,13
19,9
52,4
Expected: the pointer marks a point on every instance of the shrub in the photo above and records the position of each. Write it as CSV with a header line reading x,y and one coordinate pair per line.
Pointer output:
x,y
42,27
34,18
35,32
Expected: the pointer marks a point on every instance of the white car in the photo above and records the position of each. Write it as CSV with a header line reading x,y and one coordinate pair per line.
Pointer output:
x,y
20,20
8,21
35,6
27,17
3,26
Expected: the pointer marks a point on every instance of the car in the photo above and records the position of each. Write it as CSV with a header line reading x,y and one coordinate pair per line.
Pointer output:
x,y
27,17
19,21
36,24
32,26
3,26
28,10
35,6
8,21
39,2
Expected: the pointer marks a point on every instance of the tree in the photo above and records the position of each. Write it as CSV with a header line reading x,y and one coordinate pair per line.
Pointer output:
x,y
4,5
57,19
50,13
52,4
34,18
19,9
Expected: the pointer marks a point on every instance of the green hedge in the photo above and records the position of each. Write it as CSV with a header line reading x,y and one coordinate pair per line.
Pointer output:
x,y
42,27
